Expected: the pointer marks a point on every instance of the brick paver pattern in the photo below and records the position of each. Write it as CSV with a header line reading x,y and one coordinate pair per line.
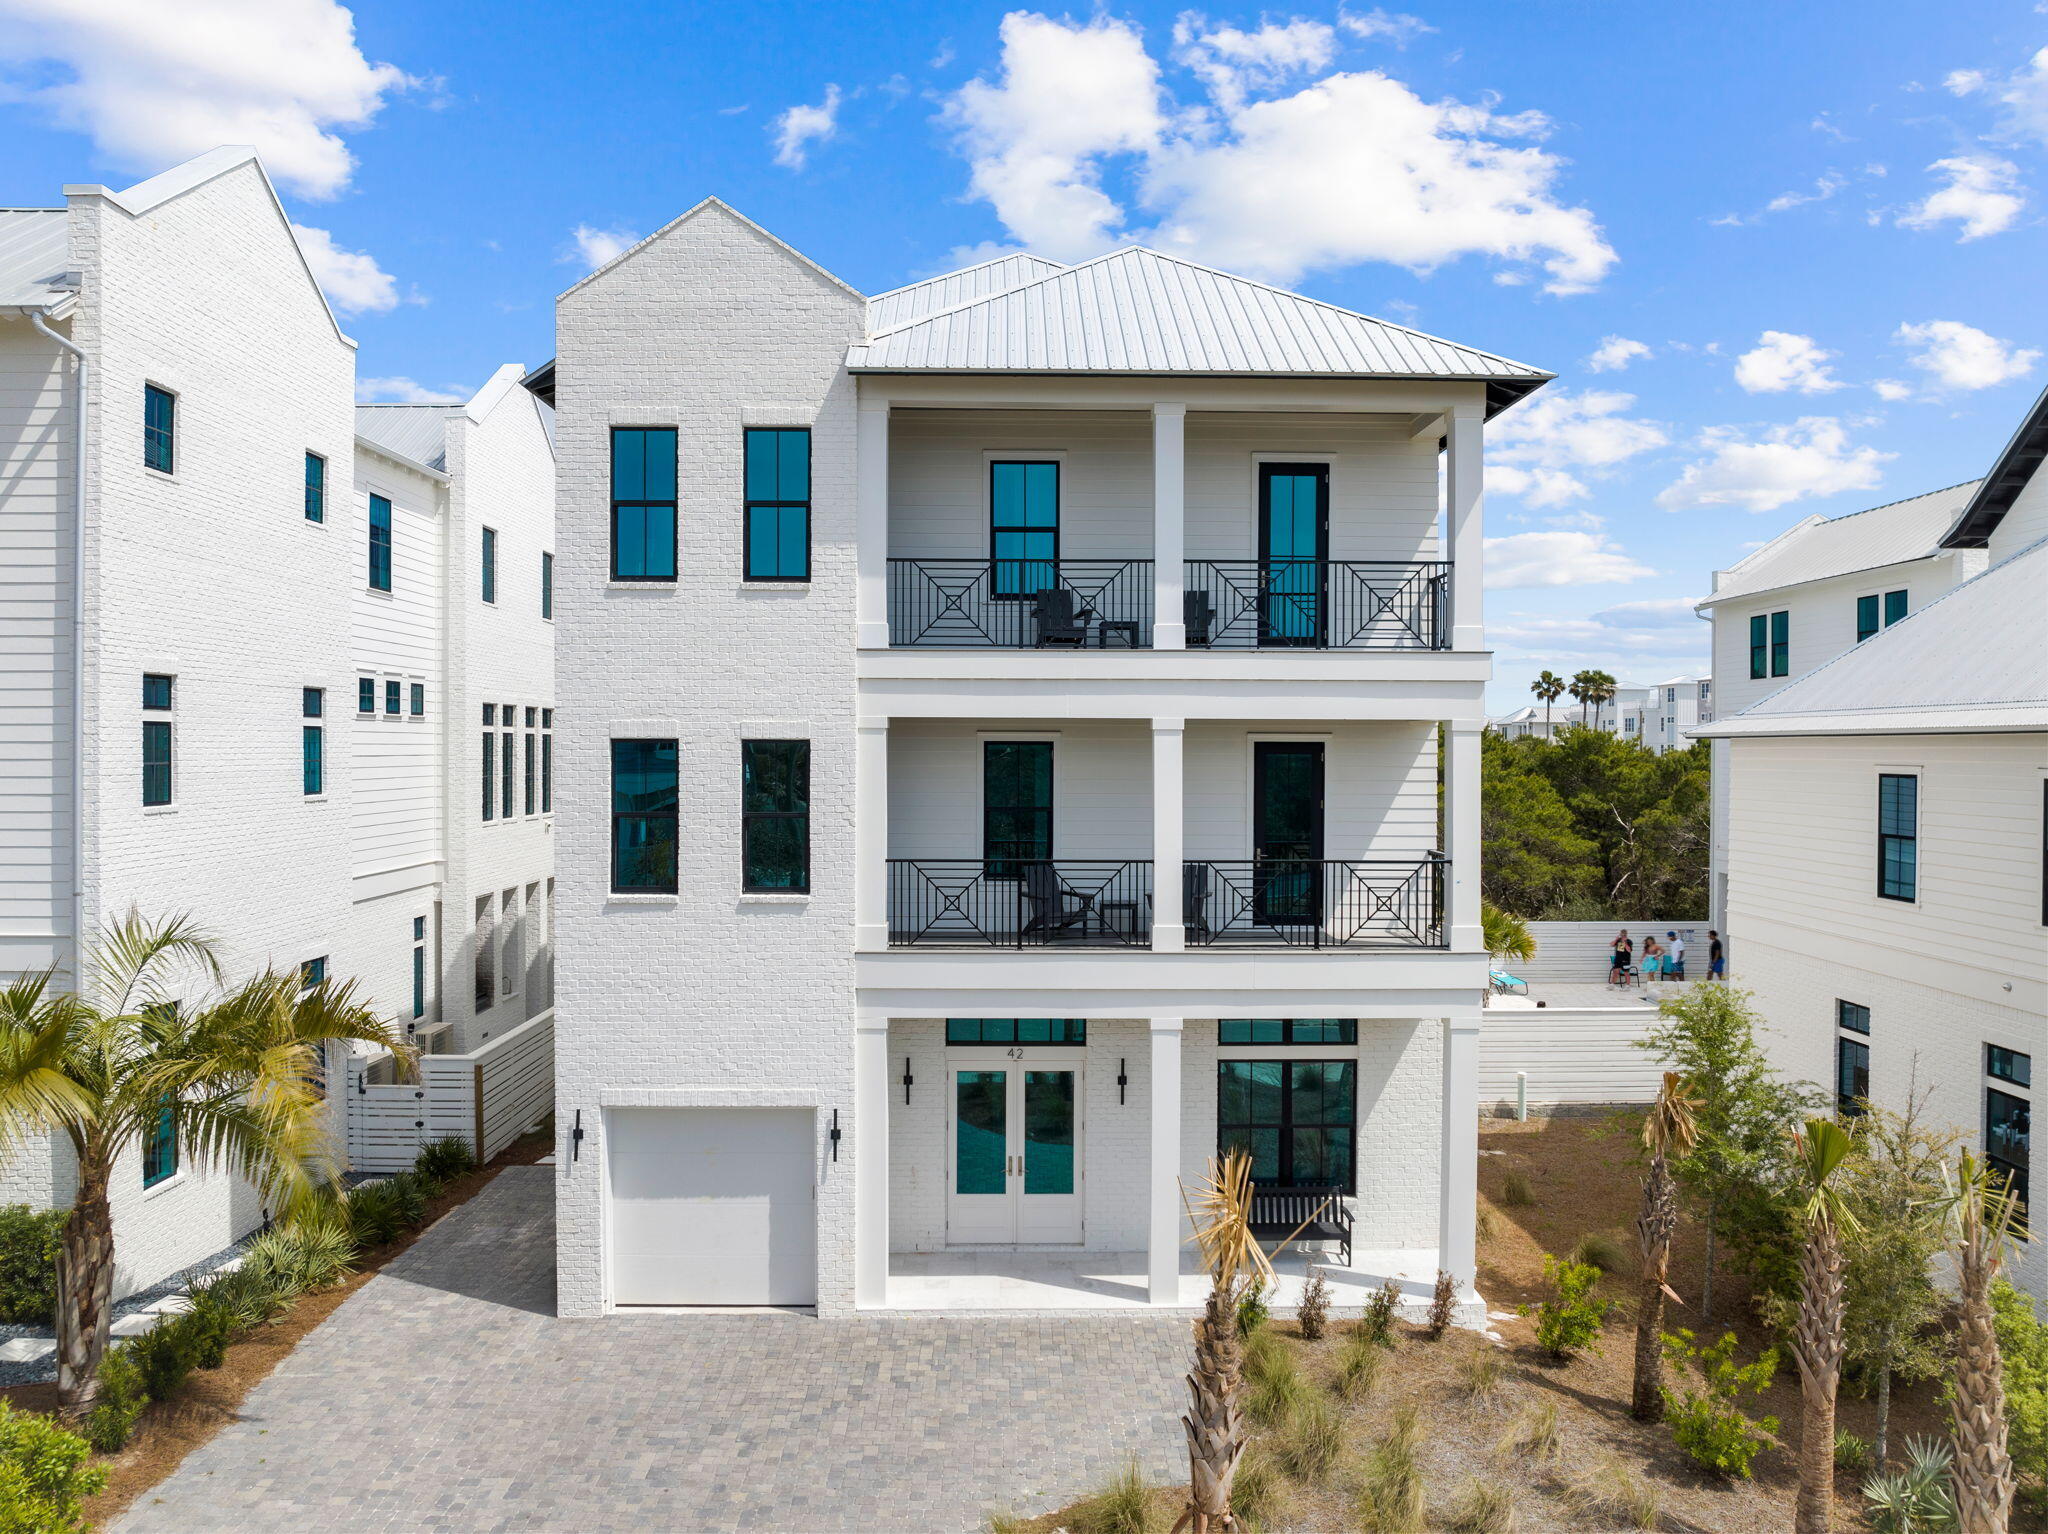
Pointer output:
x,y
446,1395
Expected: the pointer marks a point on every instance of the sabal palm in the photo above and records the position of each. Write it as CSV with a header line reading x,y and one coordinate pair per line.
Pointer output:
x,y
1671,1129
1601,690
1548,687
1983,1213
1818,1151
1583,686
231,1075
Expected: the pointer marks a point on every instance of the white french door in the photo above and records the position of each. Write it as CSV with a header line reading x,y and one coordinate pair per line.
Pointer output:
x,y
1014,1147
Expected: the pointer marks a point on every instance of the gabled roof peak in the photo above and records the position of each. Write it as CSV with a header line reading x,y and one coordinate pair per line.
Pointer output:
x,y
709,205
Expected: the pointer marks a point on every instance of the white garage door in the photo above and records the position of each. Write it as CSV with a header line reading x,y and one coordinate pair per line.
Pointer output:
x,y
712,1206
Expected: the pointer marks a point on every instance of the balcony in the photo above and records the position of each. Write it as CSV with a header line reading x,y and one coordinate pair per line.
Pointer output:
x,y
1226,604
1370,903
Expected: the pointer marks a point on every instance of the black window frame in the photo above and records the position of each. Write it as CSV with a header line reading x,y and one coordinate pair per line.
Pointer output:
x,y
312,761
159,764
547,585
160,1145
775,504
547,761
1896,605
380,548
1869,616
2016,1171
366,695
487,565
1288,1064
508,765
316,486
2003,1064
490,756
159,691
1002,864
798,776
394,698
160,442
1016,588
417,701
1072,1032
617,501
657,817
1852,1070
1781,642
1290,1027
530,798
1889,839
1759,646
1852,1015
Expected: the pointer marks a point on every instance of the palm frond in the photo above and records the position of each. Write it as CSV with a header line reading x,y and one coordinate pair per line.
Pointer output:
x,y
1818,1149
134,961
39,1035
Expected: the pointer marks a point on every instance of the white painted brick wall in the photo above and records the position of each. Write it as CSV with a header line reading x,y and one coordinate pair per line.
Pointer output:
x,y
709,327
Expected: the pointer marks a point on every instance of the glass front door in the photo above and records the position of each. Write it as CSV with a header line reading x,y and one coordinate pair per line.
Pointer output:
x,y
1294,545
1287,831
1016,1149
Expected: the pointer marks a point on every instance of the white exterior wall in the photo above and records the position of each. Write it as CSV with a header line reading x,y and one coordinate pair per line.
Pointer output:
x,y
709,327
2025,522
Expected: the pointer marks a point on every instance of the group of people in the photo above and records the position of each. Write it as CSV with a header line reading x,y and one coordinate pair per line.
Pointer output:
x,y
1659,961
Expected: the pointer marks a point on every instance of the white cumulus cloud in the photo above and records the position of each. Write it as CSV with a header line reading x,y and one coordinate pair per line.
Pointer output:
x,y
1983,195
1813,456
1615,353
591,247
1959,356
799,127
1781,361
404,391
1558,559
1394,26
2021,96
152,84
351,279
1539,449
1264,177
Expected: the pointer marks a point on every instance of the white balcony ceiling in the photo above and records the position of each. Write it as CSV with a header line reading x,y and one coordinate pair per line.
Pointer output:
x,y
1137,311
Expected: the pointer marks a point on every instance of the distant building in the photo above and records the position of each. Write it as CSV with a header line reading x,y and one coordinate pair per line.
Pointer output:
x,y
1659,716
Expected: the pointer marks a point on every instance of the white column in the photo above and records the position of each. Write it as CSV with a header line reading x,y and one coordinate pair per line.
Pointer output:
x,y
871,835
1459,1157
1169,521
1464,494
871,1161
1461,834
871,526
1168,818
1162,1266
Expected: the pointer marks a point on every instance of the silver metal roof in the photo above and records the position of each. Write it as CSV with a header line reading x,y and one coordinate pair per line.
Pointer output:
x,y
1138,311
34,254
900,306
1997,491
1821,547
418,432
1975,658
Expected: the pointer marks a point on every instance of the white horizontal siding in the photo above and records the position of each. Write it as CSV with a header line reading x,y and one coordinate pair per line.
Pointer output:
x,y
1581,950
1569,1055
2025,523
395,761
1383,487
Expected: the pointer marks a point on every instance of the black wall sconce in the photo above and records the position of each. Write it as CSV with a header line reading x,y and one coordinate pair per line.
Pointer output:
x,y
1122,1081
835,1134
576,1138
907,1079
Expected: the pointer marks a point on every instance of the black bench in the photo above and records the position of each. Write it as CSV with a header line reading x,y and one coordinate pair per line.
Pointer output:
x,y
1278,1213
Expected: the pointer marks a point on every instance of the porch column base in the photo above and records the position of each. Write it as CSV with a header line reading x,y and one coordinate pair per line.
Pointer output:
x,y
1162,1266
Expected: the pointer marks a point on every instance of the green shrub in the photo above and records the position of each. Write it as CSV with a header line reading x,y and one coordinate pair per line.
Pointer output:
x,y
1918,1499
1252,1310
164,1355
1276,1383
1378,1320
376,1214
305,1255
1569,1323
412,1193
1852,1454
1313,1314
1599,1250
1707,1423
2023,1345
121,1399
43,1475
28,1264
446,1159
243,1298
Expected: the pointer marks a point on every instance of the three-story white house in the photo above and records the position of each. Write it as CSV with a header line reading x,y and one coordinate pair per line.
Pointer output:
x,y
1885,822
1012,709
246,634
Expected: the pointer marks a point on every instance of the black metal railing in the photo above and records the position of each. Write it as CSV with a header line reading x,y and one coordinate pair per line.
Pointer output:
x,y
1316,604
1020,603
1328,903
1020,903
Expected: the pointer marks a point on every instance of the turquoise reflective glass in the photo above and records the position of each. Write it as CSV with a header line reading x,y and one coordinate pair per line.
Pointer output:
x,y
644,777
1024,521
1866,617
1894,607
312,769
644,503
156,692
1292,1030
1781,646
1016,1030
1016,802
1291,521
2009,1065
159,427
1898,831
380,543
419,981
1296,1118
1049,1132
160,1147
316,488
778,497
156,762
980,1131
644,463
1759,647
490,564
775,815
312,702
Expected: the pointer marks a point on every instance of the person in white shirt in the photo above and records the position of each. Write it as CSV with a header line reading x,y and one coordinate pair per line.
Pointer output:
x,y
1674,965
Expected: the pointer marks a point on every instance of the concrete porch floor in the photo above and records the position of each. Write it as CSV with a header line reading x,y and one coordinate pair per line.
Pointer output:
x,y
980,1280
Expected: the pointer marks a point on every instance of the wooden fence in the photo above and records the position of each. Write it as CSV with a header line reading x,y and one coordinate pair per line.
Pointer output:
x,y
489,1097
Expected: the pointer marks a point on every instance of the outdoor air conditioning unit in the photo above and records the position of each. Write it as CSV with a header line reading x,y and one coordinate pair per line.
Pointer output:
x,y
437,1040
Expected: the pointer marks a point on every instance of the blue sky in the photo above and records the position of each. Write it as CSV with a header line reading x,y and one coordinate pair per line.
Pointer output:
x,y
1785,259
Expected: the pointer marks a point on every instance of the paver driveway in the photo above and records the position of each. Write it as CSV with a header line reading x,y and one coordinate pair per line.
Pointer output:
x,y
447,1395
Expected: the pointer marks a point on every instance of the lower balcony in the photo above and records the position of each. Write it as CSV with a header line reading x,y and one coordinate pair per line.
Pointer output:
x,y
1302,903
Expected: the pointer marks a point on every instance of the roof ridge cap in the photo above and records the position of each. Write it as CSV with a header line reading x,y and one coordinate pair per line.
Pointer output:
x,y
962,271
1903,500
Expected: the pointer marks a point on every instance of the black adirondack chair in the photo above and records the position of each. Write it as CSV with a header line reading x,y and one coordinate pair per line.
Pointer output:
x,y
1058,618
1194,900
1198,615
1050,906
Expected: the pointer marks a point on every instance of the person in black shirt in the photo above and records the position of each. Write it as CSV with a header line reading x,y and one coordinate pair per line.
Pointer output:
x,y
1717,962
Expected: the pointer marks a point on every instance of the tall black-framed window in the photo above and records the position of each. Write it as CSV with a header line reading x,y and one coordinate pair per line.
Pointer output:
x,y
1852,1075
1898,836
159,428
1759,646
644,777
366,695
547,761
312,743
419,700
2008,1121
157,694
380,543
394,697
1016,1030
530,797
507,760
1867,617
547,585
316,488
419,966
1287,1030
1297,1119
160,1146
490,762
775,815
1781,644
643,503
488,563
1016,804
1024,526
778,496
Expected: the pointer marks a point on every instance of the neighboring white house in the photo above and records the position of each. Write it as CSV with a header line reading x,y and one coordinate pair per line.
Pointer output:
x,y
1885,817
260,707
910,635
1660,716
1817,589
1611,717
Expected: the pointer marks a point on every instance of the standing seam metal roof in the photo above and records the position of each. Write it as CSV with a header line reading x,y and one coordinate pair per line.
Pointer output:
x,y
35,251
913,301
418,432
1863,540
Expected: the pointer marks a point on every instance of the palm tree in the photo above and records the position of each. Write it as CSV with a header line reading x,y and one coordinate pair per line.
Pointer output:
x,y
1547,687
1214,1423
1817,1151
233,1081
1602,690
1581,689
1983,1213
1671,1129
1506,935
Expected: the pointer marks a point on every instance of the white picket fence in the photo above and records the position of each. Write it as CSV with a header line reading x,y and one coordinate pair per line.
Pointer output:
x,y
488,1097
1581,950
1571,1056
